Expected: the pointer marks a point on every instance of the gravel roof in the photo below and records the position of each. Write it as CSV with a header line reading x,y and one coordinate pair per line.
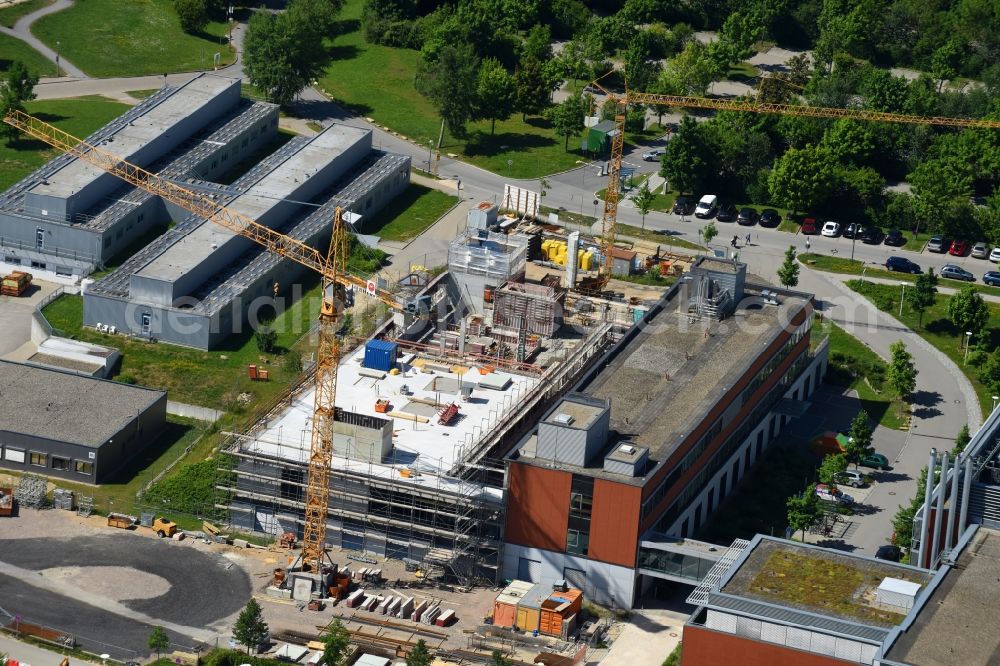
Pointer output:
x,y
957,624
67,407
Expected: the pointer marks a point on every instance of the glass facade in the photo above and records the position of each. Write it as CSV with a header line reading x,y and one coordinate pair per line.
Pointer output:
x,y
581,501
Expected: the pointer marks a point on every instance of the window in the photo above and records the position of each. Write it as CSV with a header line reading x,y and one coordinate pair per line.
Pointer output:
x,y
39,459
39,239
576,542
81,467
38,264
147,319
14,455
60,463
12,260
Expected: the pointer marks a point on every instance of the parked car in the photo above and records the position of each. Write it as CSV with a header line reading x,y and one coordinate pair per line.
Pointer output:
x,y
653,155
853,230
872,236
770,218
889,553
938,244
747,217
727,212
895,238
995,255
683,206
809,227
852,478
992,278
706,206
828,494
954,272
875,461
959,248
831,229
980,250
901,265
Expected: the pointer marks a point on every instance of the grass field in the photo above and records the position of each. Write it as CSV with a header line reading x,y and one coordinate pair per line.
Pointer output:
x,y
11,15
937,329
139,37
79,116
854,365
410,213
824,262
12,48
630,231
207,378
390,98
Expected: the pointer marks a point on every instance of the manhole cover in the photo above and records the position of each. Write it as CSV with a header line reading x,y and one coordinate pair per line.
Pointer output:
x,y
892,492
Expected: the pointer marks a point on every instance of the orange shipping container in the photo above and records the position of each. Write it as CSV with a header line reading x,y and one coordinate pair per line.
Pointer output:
x,y
505,606
557,611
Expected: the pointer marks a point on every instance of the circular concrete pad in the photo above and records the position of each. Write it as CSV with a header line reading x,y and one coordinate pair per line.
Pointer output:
x,y
114,583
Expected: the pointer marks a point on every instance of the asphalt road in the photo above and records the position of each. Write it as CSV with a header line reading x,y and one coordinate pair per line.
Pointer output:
x,y
204,590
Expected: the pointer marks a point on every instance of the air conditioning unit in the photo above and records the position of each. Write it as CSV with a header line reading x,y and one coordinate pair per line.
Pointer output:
x,y
563,419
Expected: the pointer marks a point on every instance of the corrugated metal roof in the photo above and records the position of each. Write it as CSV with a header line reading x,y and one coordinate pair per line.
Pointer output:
x,y
789,616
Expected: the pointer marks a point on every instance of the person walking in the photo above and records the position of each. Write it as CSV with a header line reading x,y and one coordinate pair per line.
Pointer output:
x,y
734,241
807,245
748,240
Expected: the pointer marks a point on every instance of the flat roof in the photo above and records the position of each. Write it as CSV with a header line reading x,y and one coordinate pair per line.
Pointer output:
x,y
427,447
67,407
133,136
957,623
819,580
673,371
583,415
281,182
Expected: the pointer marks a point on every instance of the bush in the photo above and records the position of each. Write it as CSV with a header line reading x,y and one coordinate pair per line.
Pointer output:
x,y
292,362
126,378
977,358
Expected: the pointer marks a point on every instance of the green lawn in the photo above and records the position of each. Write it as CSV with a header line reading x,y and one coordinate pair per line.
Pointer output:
x,y
937,329
211,378
377,82
741,71
10,15
410,213
629,231
79,116
824,262
12,48
135,38
854,365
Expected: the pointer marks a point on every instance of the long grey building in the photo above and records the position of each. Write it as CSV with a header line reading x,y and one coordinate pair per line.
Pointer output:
x,y
65,425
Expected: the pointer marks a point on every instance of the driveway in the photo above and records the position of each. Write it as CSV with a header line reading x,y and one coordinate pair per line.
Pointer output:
x,y
15,324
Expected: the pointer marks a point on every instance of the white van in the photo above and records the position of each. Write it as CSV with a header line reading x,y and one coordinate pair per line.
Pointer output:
x,y
706,206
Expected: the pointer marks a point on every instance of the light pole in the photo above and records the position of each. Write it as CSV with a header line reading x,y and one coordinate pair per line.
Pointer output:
x,y
902,299
995,399
57,57
510,164
968,339
853,238
430,146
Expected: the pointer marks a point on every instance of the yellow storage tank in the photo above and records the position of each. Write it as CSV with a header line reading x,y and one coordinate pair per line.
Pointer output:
x,y
588,259
579,257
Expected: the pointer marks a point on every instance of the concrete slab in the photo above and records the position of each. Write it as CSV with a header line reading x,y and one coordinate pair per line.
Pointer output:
x,y
15,316
646,639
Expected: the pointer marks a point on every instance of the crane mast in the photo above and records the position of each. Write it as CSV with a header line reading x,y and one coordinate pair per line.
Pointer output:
x,y
331,268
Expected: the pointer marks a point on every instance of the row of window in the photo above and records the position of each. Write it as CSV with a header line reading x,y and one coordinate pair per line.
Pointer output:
x,y
38,459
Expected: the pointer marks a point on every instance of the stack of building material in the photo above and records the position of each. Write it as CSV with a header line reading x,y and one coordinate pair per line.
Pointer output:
x,y
6,502
15,284
62,499
31,491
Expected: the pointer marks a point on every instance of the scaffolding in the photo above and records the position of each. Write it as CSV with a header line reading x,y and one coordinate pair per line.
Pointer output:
x,y
529,308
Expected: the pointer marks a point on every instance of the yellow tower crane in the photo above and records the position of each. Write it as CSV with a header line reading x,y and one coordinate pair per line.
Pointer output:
x,y
331,268
609,220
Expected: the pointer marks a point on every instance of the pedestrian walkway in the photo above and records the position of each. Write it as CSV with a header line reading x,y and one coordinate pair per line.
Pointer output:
x,y
22,31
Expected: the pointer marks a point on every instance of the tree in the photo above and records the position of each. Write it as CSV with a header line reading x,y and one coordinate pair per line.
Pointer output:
x,y
939,185
803,510
961,440
902,373
968,311
158,641
832,467
419,655
280,53
337,643
449,82
496,94
989,374
532,88
686,161
497,659
709,232
250,629
902,522
922,295
802,178
18,88
859,439
567,118
690,72
643,200
265,337
193,14
788,273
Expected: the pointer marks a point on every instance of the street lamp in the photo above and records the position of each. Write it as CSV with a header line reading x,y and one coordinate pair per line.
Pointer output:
x,y
995,399
902,298
854,237
510,163
968,338
430,145
57,57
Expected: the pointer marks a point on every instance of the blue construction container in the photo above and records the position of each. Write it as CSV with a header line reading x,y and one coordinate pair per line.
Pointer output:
x,y
380,355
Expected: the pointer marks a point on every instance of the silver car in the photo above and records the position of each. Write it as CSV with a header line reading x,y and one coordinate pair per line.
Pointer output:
x,y
980,251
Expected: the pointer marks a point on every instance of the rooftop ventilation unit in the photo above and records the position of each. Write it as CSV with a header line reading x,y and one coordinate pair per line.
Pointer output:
x,y
563,419
626,449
